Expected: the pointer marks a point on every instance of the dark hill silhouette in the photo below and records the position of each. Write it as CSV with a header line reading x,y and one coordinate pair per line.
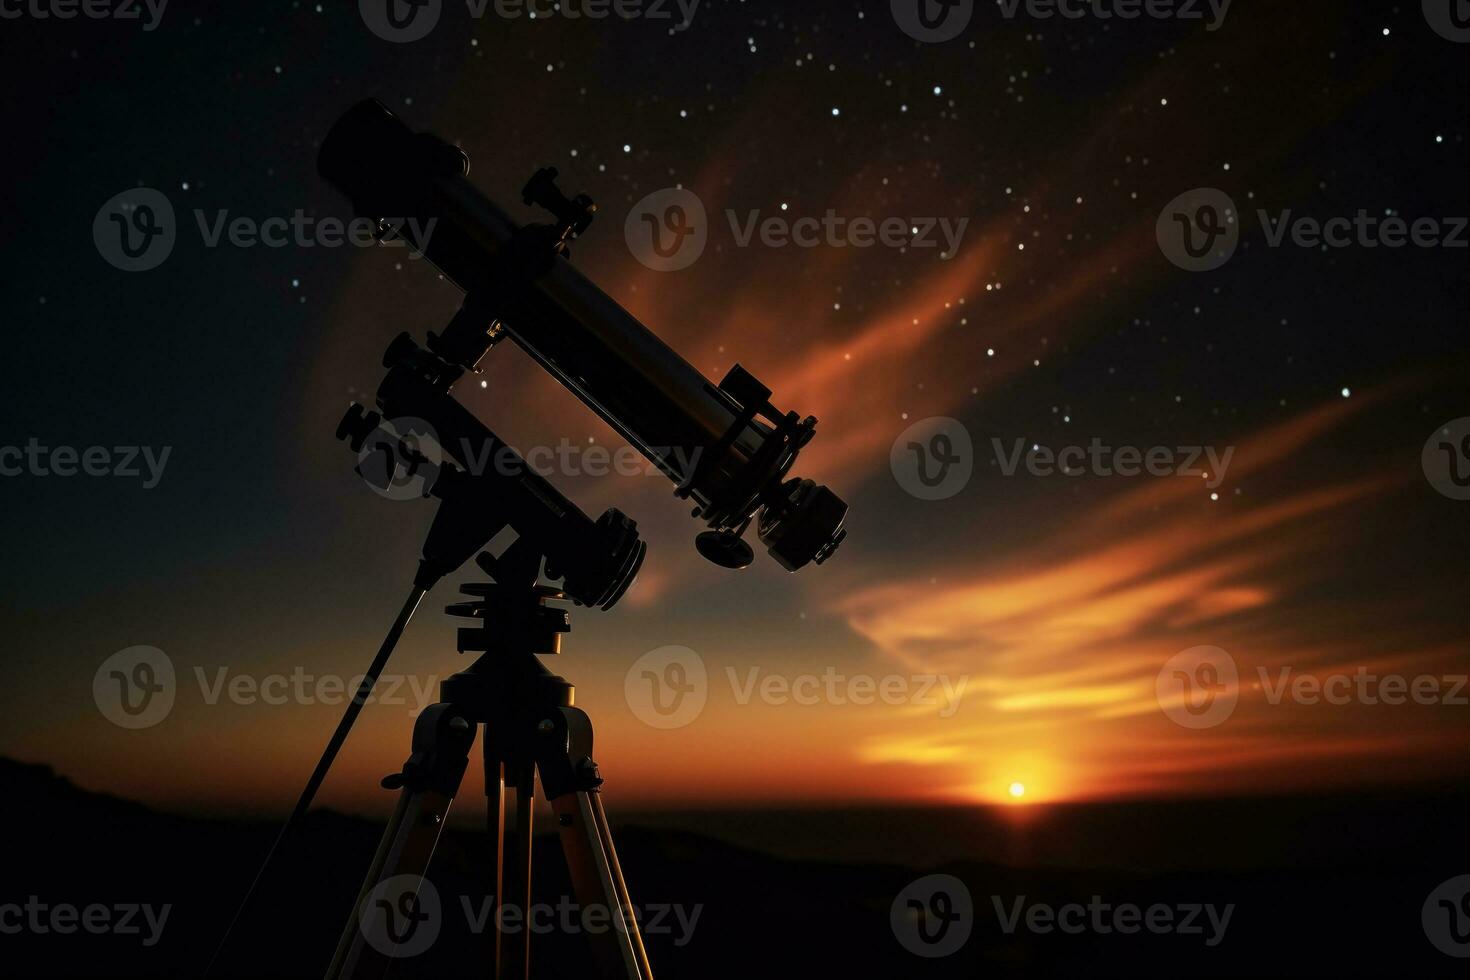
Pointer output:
x,y
1350,906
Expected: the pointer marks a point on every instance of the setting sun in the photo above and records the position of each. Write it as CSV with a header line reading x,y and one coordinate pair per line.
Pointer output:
x,y
1018,790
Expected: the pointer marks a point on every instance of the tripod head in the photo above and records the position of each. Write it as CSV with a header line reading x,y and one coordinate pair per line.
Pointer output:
x,y
512,610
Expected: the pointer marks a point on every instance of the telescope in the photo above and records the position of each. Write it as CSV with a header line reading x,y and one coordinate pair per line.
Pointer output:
x,y
726,447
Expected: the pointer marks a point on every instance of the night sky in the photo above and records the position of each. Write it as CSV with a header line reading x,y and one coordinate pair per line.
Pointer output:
x,y
1057,321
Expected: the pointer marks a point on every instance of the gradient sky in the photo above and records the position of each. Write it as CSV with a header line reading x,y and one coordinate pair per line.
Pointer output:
x,y
1057,600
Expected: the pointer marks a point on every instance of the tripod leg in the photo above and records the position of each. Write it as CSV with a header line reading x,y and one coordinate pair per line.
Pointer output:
x,y
495,826
508,768
572,783
615,869
516,945
429,781
598,880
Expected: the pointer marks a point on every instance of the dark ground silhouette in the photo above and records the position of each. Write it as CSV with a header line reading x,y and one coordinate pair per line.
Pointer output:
x,y
1320,887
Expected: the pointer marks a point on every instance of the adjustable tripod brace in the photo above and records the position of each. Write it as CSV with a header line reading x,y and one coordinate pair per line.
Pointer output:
x,y
530,725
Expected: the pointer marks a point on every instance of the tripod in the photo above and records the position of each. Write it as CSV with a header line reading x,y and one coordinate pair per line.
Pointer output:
x,y
530,726
518,284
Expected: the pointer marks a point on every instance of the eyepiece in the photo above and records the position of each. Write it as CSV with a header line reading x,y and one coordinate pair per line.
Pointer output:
x,y
804,524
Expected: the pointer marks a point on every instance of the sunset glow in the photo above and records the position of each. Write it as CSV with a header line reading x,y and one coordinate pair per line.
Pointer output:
x,y
1026,620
